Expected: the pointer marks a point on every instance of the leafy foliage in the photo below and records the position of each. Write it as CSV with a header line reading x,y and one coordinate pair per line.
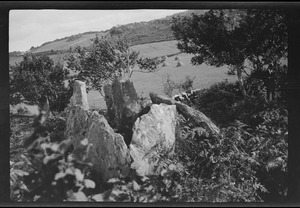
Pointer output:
x,y
150,64
187,84
16,182
135,188
56,125
255,126
37,76
258,82
106,58
218,101
170,85
219,165
230,37
54,173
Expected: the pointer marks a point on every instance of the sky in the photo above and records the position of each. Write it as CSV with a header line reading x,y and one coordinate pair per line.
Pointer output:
x,y
29,28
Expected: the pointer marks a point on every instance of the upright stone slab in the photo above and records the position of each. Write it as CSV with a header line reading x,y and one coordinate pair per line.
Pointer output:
x,y
122,106
151,132
109,153
79,95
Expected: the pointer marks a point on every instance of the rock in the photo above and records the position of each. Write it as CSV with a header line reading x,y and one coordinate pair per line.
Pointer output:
x,y
166,64
122,106
79,95
198,118
152,132
157,99
179,63
109,153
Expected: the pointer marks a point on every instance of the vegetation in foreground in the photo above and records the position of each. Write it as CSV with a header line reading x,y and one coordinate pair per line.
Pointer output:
x,y
247,162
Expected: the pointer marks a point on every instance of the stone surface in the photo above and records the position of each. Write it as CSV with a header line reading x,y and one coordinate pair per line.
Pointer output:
x,y
157,99
151,132
122,106
79,95
109,153
196,117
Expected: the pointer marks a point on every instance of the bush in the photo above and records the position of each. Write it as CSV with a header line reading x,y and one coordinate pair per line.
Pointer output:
x,y
56,125
187,84
57,176
219,165
269,144
53,173
256,127
218,101
149,64
169,85
37,76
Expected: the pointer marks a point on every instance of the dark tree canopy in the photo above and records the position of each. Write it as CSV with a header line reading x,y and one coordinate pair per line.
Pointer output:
x,y
234,38
37,76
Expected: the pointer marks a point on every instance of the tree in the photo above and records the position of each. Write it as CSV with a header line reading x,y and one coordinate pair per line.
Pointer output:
x,y
36,77
108,57
234,38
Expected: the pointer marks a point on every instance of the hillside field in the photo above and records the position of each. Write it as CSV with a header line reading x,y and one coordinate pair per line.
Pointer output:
x,y
145,83
153,82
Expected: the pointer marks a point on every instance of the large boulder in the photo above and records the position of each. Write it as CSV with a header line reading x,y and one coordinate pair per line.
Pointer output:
x,y
197,118
109,153
152,132
122,106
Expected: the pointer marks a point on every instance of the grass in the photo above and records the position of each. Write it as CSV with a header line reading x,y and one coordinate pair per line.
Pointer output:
x,y
145,83
152,50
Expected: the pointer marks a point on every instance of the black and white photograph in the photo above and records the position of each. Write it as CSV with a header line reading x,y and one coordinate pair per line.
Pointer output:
x,y
154,105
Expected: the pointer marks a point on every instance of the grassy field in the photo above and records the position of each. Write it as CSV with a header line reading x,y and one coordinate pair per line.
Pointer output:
x,y
145,83
153,82
152,50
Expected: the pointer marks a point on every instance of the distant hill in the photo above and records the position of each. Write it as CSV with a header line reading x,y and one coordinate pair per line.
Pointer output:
x,y
137,33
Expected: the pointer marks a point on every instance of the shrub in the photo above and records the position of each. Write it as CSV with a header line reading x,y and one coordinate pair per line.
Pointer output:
x,y
270,146
55,174
218,101
16,183
37,76
187,83
149,64
219,165
168,85
56,125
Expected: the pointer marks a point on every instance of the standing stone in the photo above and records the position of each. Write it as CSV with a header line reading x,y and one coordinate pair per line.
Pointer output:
x,y
79,95
122,106
109,153
151,132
